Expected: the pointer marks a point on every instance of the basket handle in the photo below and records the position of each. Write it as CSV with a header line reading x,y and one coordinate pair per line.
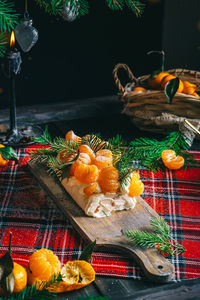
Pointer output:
x,y
116,78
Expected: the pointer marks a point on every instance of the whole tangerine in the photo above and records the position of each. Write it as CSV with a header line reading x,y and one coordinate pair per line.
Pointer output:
x,y
20,276
154,82
167,78
139,89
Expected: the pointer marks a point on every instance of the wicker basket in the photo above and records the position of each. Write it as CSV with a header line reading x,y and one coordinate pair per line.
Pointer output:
x,y
150,111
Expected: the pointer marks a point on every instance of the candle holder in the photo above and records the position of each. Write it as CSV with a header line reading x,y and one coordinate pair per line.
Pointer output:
x,y
11,67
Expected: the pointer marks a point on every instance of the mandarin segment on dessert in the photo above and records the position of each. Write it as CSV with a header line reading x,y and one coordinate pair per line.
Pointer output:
x,y
86,173
109,180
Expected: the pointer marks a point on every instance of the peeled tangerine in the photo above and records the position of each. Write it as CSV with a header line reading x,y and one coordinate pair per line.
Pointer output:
x,y
70,135
86,173
75,275
171,160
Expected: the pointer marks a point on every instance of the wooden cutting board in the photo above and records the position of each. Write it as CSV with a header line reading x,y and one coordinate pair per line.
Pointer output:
x,y
109,232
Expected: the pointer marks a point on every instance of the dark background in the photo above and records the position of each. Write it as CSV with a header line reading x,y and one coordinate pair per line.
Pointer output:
x,y
75,60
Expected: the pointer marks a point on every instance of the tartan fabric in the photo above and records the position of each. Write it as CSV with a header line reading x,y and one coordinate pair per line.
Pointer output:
x,y
35,221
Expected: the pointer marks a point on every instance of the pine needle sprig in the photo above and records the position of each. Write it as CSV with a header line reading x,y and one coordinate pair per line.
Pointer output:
x,y
58,168
3,43
159,238
148,151
136,6
8,16
94,142
52,7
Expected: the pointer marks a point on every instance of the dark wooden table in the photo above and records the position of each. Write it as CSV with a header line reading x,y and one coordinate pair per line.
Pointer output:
x,y
102,115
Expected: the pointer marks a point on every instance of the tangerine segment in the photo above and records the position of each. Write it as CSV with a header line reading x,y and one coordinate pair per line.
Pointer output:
x,y
70,135
109,180
43,264
154,83
167,155
167,78
86,149
90,189
136,188
82,159
171,161
103,158
75,275
86,173
175,164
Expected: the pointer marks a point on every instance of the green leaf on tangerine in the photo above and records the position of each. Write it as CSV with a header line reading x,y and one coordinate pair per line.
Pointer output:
x,y
87,251
171,89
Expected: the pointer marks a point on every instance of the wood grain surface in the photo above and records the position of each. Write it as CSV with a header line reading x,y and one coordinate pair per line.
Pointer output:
x,y
109,232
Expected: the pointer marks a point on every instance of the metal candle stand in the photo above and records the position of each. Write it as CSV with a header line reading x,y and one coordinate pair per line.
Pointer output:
x,y
11,66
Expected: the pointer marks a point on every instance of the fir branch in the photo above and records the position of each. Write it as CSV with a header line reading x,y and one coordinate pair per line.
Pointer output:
x,y
41,155
3,43
136,6
52,7
160,238
144,238
149,150
94,142
58,168
8,16
115,4
83,7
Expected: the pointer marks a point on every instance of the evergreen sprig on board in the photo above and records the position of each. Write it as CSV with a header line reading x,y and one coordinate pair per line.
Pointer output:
x,y
159,238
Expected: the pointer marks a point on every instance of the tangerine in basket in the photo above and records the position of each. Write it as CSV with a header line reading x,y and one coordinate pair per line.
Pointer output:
x,y
195,94
170,77
136,187
86,149
43,264
70,135
189,88
90,189
154,83
171,160
75,275
82,159
86,173
139,89
109,180
3,161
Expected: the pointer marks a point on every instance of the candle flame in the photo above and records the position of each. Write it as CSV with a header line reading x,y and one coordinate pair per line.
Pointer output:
x,y
12,39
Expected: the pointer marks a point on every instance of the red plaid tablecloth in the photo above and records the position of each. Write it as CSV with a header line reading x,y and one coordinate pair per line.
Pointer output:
x,y
36,222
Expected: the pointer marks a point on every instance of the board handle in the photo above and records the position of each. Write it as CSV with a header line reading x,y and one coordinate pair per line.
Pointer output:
x,y
154,266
